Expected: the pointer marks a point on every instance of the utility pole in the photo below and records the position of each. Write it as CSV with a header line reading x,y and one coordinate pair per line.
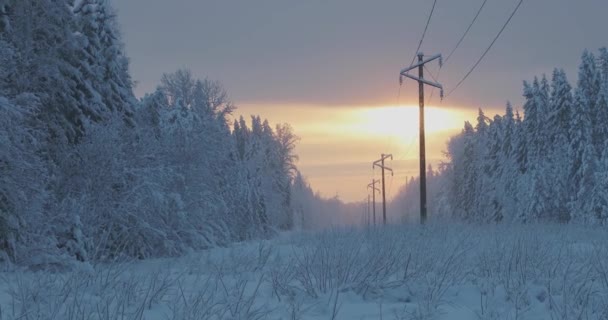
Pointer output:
x,y
421,83
380,163
368,211
374,190
363,213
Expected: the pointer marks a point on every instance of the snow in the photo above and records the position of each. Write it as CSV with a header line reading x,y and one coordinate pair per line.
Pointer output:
x,y
441,272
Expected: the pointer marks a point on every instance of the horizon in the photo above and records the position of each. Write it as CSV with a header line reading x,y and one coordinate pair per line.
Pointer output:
x,y
274,62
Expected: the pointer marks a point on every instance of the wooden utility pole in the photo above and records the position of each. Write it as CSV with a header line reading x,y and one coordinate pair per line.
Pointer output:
x,y
374,189
368,211
421,83
380,163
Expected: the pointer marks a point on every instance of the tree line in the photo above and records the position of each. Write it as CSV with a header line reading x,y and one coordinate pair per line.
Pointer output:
x,y
88,172
548,164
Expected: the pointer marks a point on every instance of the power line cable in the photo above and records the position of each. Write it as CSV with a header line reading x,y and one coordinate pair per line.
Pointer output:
x,y
413,139
464,35
431,74
428,21
465,32
426,27
487,50
390,187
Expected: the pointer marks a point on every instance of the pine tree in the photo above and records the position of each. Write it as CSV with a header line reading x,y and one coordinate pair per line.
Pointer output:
x,y
49,46
103,53
604,65
543,103
148,111
508,167
601,129
588,88
481,163
532,122
586,195
558,138
240,134
23,178
600,197
457,164
520,145
492,171
560,111
509,131
471,173
602,100
588,79
579,152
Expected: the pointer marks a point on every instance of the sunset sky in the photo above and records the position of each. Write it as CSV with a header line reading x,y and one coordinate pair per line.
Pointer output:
x,y
330,67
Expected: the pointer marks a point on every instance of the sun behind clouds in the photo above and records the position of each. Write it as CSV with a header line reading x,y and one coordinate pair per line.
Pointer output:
x,y
402,122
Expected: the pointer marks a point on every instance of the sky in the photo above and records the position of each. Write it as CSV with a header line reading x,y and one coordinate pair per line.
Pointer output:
x,y
330,68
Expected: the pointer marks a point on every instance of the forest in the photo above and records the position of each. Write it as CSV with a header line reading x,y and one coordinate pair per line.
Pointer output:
x,y
168,206
547,164
89,172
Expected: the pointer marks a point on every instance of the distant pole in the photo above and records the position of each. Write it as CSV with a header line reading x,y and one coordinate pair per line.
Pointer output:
x,y
421,83
368,211
383,195
374,190
374,202
380,163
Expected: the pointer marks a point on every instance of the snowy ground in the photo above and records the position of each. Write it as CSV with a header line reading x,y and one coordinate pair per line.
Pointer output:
x,y
438,272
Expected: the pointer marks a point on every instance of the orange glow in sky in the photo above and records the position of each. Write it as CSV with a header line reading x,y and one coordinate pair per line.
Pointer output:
x,y
339,143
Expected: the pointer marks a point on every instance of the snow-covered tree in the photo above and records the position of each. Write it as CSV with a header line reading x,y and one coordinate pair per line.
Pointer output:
x,y
550,165
102,55
23,178
89,173
600,196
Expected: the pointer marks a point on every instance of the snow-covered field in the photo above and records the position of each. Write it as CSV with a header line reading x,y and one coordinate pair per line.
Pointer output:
x,y
437,272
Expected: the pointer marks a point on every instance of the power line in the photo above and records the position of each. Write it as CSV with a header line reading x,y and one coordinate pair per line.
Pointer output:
x,y
464,35
436,79
426,27
380,164
487,50
428,21
430,73
374,190
466,31
411,145
390,186
421,82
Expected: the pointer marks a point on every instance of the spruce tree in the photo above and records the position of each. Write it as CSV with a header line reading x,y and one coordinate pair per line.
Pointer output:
x,y
470,173
533,124
588,88
104,55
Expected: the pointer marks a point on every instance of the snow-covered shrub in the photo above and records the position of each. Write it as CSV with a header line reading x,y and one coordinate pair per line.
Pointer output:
x,y
23,178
